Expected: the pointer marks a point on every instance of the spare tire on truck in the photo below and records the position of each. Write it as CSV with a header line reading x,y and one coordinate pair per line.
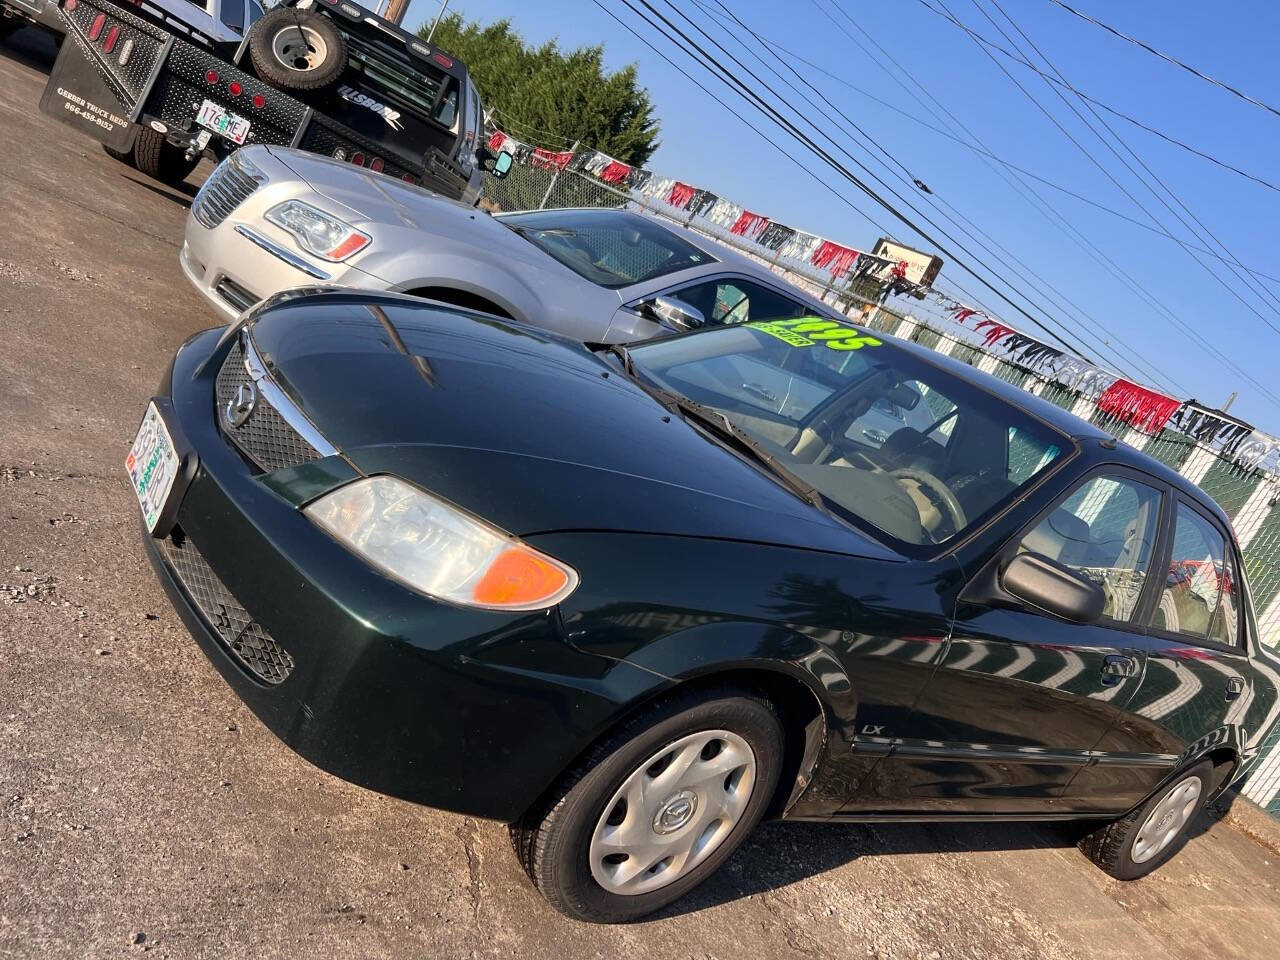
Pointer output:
x,y
294,49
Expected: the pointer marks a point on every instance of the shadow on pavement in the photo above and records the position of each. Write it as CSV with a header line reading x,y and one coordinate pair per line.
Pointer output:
x,y
32,47
779,854
179,193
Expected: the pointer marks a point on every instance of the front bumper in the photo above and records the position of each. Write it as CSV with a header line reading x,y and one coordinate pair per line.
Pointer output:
x,y
245,258
471,711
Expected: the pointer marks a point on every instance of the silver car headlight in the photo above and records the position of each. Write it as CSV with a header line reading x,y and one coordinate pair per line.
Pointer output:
x,y
318,232
439,550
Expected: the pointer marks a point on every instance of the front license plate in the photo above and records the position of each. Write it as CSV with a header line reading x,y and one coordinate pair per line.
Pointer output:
x,y
153,466
222,122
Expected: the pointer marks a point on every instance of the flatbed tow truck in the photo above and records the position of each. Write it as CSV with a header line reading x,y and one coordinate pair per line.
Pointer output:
x,y
160,82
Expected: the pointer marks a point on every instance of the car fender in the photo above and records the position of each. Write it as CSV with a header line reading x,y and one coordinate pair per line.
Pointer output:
x,y
1229,737
731,648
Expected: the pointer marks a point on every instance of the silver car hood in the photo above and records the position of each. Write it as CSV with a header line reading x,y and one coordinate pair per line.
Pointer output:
x,y
418,233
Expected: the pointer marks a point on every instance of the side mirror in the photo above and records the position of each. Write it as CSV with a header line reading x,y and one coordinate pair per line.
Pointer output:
x,y
1049,586
501,164
674,314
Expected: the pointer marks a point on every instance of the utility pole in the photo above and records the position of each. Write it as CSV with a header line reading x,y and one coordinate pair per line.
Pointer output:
x,y
1230,400
436,23
396,10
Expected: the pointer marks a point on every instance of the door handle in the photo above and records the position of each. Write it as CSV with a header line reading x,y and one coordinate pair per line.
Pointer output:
x,y
1116,667
1235,687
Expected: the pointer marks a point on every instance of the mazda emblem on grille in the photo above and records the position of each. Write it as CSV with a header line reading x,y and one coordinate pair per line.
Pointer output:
x,y
240,407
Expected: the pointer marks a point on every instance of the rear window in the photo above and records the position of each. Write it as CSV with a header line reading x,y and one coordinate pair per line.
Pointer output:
x,y
608,248
407,83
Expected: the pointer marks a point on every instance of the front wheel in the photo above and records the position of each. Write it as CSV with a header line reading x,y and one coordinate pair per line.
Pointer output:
x,y
1135,845
656,808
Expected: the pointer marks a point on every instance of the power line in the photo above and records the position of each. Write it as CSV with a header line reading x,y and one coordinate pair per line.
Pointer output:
x,y
1023,189
712,63
525,129
1129,168
1263,293
908,178
981,150
763,136
1168,59
1092,159
1169,138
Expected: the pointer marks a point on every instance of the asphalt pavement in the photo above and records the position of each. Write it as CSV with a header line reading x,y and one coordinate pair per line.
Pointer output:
x,y
143,810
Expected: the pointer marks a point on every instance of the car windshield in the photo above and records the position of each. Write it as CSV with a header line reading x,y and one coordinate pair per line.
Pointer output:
x,y
885,437
607,247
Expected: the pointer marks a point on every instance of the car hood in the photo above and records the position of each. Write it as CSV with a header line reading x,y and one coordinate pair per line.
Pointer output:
x,y
376,200
530,431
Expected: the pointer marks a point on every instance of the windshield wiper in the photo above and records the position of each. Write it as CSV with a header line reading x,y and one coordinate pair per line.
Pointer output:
x,y
718,422
624,356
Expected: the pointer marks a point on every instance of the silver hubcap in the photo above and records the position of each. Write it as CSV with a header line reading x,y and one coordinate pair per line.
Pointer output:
x,y
1166,820
672,812
299,48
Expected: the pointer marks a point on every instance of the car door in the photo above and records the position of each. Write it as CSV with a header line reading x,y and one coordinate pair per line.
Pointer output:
x,y
1021,697
1197,680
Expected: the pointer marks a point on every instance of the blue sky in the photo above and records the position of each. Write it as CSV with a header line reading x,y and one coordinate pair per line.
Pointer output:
x,y
705,145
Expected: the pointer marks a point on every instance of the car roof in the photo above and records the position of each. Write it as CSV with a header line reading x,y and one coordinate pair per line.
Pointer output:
x,y
1067,423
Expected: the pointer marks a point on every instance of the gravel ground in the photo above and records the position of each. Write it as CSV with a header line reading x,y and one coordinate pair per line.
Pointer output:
x,y
144,810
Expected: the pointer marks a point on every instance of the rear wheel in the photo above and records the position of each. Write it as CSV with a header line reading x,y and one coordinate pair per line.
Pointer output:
x,y
656,808
124,156
155,156
1137,844
295,49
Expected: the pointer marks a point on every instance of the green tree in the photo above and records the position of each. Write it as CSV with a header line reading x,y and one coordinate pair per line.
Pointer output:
x,y
550,97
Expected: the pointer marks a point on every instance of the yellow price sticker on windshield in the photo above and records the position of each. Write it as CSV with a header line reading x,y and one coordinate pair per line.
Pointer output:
x,y
806,331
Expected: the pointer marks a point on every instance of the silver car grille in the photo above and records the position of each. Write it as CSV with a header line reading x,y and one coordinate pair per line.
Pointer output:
x,y
228,186
245,639
266,437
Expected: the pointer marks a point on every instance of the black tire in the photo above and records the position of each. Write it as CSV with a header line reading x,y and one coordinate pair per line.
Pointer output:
x,y
155,156
321,63
553,841
124,156
1113,847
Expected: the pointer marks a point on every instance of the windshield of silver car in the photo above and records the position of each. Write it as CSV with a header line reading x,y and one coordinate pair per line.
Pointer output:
x,y
885,437
611,248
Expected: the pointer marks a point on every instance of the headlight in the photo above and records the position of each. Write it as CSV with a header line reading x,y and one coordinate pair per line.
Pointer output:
x,y
437,549
316,231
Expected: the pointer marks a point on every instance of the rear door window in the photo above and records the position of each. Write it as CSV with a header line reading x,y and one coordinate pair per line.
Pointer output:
x,y
1201,595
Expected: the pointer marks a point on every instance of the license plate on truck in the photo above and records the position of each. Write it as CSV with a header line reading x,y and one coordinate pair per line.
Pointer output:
x,y
223,122
153,466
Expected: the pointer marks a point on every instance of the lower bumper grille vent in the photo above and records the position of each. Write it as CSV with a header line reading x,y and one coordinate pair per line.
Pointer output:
x,y
245,639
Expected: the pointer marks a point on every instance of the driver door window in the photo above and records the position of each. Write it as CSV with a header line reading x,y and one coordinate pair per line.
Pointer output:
x,y
1105,530
1201,596
737,301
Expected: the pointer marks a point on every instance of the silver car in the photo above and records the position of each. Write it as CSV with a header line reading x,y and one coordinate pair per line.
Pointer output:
x,y
271,219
